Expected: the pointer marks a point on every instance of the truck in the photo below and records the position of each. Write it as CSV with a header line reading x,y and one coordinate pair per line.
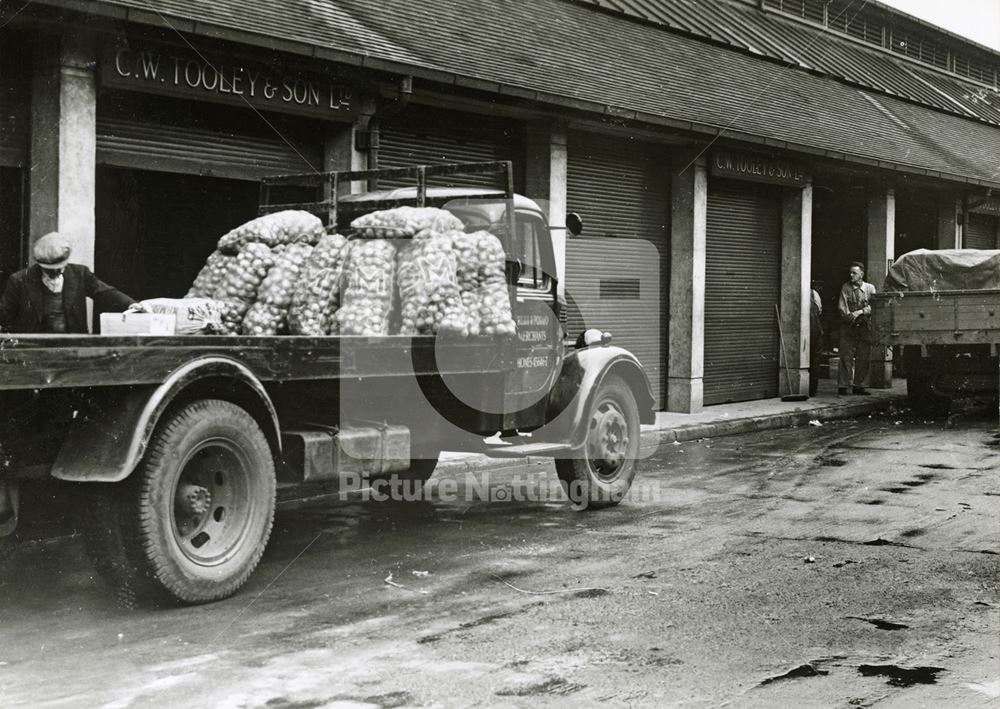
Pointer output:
x,y
940,311
178,445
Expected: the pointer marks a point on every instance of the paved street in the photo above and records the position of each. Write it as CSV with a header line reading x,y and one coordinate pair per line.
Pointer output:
x,y
849,565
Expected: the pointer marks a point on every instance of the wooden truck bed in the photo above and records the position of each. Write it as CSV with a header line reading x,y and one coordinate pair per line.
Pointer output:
x,y
966,317
60,361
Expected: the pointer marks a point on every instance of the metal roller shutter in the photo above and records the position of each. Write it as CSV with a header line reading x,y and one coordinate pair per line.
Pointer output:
x,y
194,151
433,138
742,286
981,232
616,272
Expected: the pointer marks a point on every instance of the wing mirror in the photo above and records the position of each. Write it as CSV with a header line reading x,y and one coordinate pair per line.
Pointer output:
x,y
574,224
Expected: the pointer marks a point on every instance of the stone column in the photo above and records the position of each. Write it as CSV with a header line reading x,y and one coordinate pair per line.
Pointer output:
x,y
64,143
881,249
545,182
686,343
949,223
340,150
796,260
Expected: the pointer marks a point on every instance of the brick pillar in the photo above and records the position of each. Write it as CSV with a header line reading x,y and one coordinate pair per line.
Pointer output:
x,y
64,143
949,223
881,249
796,260
340,151
686,343
545,182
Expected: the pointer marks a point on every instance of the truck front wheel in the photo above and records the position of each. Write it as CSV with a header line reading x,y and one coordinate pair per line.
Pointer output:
x,y
601,473
192,522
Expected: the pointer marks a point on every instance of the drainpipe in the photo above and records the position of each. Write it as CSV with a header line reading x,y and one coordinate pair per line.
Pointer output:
x,y
371,127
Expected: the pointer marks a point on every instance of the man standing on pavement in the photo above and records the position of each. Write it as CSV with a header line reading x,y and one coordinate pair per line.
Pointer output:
x,y
855,332
50,296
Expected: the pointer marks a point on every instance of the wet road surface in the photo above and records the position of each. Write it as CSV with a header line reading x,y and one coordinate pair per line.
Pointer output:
x,y
849,565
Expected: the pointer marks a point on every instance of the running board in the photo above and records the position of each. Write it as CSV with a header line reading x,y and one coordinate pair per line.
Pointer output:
x,y
522,450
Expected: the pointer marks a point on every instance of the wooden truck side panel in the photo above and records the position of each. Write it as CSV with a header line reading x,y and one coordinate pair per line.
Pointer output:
x,y
63,361
937,318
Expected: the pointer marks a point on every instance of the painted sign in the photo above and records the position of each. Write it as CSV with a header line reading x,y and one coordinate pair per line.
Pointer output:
x,y
746,166
187,74
984,206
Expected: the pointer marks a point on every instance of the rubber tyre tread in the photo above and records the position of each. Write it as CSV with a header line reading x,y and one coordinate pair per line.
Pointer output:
x,y
575,473
150,573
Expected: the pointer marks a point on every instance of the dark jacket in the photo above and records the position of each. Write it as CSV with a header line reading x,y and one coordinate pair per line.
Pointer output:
x,y
22,306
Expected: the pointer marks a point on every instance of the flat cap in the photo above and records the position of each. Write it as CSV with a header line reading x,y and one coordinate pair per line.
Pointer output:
x,y
52,250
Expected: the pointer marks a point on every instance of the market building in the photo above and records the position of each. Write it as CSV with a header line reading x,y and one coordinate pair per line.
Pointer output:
x,y
724,156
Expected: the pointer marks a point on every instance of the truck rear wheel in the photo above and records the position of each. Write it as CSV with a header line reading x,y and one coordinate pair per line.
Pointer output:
x,y
923,399
410,482
192,522
601,473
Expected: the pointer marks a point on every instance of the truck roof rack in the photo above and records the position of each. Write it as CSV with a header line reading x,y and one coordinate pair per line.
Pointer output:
x,y
332,187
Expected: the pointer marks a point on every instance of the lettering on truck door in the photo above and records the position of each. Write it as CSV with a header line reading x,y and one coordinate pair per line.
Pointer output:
x,y
539,334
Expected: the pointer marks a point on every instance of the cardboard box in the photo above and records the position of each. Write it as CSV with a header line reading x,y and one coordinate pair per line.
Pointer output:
x,y
138,323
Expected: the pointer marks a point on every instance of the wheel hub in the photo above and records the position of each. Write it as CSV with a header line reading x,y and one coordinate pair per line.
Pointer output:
x,y
608,439
211,503
193,500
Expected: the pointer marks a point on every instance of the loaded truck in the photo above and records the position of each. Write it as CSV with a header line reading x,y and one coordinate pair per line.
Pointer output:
x,y
178,445
940,311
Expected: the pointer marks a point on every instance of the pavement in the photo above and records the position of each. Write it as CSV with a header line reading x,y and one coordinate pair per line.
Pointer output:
x,y
729,419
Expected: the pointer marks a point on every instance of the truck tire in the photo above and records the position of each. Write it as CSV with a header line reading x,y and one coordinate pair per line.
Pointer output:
x,y
191,523
601,473
923,399
412,480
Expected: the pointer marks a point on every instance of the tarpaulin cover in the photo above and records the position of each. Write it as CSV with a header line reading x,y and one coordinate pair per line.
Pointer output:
x,y
945,269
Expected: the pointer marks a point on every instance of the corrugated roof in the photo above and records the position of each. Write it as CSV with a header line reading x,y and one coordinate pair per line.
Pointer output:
x,y
563,52
808,46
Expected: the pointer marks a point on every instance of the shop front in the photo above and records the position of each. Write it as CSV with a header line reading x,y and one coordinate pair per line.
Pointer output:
x,y
982,223
747,241
182,139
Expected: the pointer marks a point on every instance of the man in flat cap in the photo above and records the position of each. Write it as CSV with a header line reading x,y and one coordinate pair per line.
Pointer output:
x,y
50,295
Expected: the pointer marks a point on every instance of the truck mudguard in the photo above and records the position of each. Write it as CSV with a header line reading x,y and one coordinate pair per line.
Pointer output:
x,y
582,373
107,448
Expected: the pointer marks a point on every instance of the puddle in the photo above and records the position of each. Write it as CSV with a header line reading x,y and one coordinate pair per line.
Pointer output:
x,y
831,462
902,676
910,533
556,685
881,624
938,466
392,700
806,670
482,620
895,490
879,542
873,502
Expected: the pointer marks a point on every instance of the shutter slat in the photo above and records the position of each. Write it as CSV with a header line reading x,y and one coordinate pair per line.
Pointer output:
x,y
428,138
742,286
621,190
199,152
981,232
